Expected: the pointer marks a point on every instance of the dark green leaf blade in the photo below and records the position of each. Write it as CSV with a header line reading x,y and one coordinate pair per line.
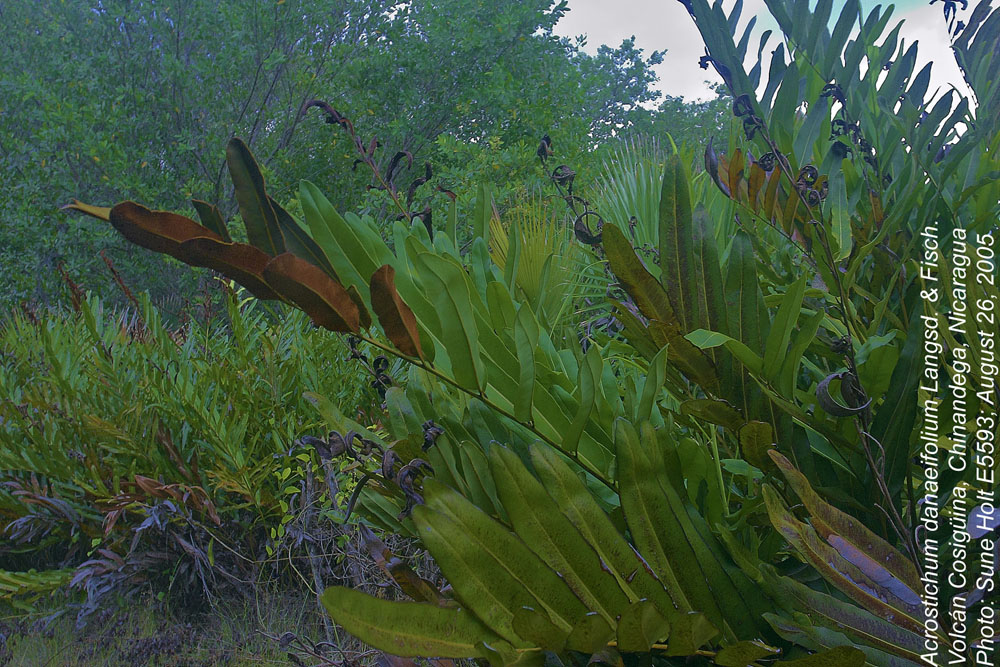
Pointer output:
x,y
630,570
259,217
211,218
298,242
677,246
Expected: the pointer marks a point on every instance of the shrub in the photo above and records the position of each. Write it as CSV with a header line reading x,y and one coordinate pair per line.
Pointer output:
x,y
160,453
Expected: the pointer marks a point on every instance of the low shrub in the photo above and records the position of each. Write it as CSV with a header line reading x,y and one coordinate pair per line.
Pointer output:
x,y
131,452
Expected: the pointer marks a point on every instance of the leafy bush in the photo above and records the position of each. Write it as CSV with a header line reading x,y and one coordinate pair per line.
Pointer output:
x,y
120,437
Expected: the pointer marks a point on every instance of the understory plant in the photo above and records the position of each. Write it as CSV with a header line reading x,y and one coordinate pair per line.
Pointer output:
x,y
724,472
136,454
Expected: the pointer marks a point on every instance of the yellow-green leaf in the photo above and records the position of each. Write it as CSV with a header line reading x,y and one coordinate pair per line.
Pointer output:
x,y
410,629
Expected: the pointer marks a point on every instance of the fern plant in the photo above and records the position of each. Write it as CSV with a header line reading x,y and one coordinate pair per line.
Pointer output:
x,y
664,488
473,337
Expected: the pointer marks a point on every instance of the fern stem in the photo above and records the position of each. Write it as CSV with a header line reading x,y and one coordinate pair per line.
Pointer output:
x,y
573,456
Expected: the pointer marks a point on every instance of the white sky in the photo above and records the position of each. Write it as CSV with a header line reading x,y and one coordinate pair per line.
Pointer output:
x,y
665,24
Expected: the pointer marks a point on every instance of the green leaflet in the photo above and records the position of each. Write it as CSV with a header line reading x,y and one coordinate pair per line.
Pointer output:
x,y
412,629
714,411
652,300
811,130
500,306
786,101
578,504
677,246
332,233
776,71
654,303
539,521
587,380
776,348
845,617
497,352
710,290
748,319
841,31
652,384
211,218
478,261
298,242
790,364
482,213
896,417
449,290
709,339
702,486
476,473
635,331
744,300
263,231
336,420
819,22
443,459
640,626
491,570
451,226
525,339
655,528
513,257
404,420
756,438
690,632
674,541
382,510
839,215
590,634
534,627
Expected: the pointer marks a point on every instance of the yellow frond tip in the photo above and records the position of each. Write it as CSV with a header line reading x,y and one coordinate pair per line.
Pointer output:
x,y
99,212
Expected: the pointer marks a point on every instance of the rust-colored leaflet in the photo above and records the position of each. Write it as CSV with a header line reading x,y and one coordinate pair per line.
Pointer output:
x,y
308,287
183,238
161,231
239,261
397,319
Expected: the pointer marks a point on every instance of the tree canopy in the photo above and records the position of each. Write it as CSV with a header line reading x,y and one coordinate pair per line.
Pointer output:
x,y
134,99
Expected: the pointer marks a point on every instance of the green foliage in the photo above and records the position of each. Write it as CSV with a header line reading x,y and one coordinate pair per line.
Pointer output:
x,y
542,265
470,321
112,424
149,92
634,494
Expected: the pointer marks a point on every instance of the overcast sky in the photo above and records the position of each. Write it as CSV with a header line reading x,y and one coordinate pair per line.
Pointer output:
x,y
665,24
